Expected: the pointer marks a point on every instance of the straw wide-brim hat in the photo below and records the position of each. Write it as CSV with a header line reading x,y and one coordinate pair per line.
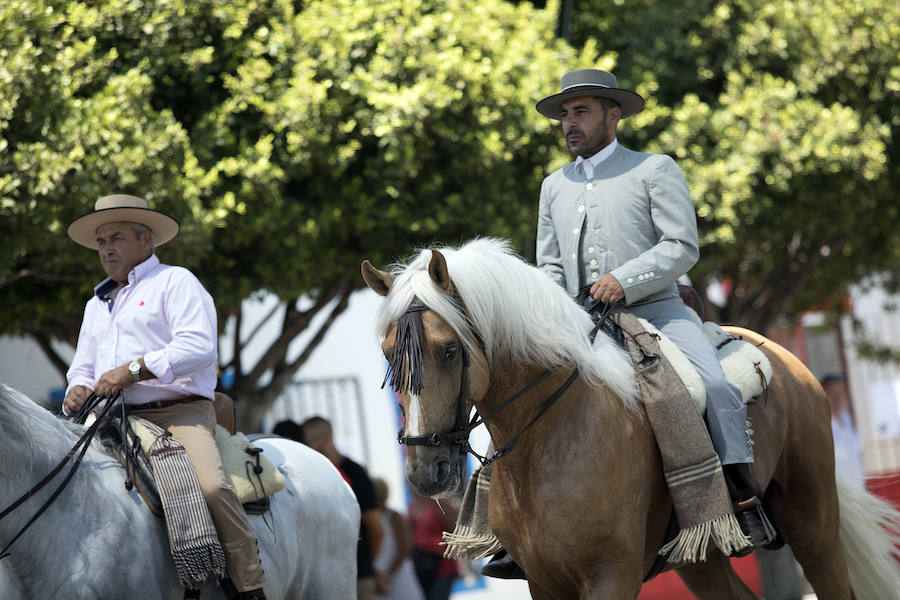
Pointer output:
x,y
122,208
590,82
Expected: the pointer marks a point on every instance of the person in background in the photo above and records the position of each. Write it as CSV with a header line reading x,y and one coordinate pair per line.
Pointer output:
x,y
318,435
394,574
429,520
289,429
847,445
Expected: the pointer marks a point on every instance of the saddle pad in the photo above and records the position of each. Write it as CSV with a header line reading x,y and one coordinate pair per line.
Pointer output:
x,y
739,360
237,463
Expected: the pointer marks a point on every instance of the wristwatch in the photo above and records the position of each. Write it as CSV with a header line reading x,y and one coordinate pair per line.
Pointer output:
x,y
135,369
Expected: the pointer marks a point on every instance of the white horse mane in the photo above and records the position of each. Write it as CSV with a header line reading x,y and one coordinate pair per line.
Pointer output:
x,y
521,314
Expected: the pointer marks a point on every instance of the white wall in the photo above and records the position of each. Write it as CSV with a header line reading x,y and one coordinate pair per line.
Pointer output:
x,y
24,367
874,387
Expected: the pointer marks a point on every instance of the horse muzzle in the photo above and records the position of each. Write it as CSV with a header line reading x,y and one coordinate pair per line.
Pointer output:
x,y
434,472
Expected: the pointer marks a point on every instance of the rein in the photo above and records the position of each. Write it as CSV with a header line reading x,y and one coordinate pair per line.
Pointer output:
x,y
83,443
409,340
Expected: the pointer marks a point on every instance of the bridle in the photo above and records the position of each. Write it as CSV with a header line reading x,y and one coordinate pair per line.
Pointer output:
x,y
405,373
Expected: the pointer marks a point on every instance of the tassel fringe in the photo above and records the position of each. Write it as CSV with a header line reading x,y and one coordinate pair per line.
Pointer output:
x,y
198,561
465,544
691,545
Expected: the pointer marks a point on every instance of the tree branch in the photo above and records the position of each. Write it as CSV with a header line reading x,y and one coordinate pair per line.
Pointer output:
x,y
236,343
294,323
286,372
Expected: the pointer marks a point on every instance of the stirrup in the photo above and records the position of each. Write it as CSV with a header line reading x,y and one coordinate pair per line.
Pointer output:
x,y
754,524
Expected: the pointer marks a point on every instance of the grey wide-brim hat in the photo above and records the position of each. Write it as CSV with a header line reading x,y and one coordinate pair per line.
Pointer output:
x,y
590,82
122,208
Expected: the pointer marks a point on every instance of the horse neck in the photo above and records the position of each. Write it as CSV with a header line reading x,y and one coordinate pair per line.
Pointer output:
x,y
556,421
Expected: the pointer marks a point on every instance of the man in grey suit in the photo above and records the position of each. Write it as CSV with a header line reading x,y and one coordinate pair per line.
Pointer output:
x,y
622,222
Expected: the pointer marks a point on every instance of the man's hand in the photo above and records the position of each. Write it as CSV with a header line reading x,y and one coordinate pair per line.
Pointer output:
x,y
113,381
607,289
75,398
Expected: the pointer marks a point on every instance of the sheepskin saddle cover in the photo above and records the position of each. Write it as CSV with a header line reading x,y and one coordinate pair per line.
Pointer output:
x,y
252,475
744,364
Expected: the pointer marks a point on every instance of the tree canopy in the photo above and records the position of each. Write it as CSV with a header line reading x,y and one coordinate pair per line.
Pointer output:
x,y
291,141
785,118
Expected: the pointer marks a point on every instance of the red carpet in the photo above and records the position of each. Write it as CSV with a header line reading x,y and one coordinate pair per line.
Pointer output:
x,y
667,586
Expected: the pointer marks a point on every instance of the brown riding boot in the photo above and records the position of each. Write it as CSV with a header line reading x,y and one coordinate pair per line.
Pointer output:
x,y
746,496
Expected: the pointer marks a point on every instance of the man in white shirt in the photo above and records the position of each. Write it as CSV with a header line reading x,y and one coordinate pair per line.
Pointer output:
x,y
150,332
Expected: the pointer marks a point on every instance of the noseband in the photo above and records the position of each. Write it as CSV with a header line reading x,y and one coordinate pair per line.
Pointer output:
x,y
405,373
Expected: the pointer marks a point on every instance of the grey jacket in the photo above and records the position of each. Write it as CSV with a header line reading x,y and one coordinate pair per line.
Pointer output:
x,y
635,220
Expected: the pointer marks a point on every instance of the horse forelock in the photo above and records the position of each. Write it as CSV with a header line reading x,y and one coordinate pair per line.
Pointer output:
x,y
520,314
413,283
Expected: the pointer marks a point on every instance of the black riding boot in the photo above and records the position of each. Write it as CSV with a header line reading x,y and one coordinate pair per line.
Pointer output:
x,y
502,566
746,496
231,592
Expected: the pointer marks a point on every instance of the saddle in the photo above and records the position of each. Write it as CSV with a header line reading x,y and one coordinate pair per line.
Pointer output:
x,y
253,477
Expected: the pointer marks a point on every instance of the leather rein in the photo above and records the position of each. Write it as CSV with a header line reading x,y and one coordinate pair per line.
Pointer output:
x,y
459,435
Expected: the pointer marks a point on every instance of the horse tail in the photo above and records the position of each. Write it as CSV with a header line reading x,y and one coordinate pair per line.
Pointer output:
x,y
870,538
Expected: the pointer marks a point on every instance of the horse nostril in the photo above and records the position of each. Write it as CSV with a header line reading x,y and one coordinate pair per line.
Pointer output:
x,y
443,471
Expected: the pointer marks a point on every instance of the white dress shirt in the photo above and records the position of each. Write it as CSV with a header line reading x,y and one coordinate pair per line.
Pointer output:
x,y
164,315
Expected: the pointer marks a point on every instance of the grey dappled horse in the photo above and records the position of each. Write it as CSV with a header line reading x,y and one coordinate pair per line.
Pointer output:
x,y
99,542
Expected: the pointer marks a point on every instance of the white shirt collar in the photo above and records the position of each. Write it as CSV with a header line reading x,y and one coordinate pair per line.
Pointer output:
x,y
591,163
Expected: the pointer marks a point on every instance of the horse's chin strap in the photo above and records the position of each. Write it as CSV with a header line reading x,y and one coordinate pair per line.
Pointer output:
x,y
84,443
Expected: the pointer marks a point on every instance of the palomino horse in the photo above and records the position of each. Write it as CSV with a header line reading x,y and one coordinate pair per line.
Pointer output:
x,y
580,500
99,542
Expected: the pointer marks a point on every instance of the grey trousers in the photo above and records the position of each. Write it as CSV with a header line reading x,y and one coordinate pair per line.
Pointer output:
x,y
726,413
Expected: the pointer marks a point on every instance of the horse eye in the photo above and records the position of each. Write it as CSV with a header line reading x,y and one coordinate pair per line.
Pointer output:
x,y
450,353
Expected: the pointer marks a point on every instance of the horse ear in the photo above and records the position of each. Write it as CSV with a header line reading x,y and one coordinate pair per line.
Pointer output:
x,y
437,270
379,281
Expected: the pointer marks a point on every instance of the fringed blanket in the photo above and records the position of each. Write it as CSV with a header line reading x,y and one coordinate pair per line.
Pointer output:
x,y
691,466
692,469
472,537
193,541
